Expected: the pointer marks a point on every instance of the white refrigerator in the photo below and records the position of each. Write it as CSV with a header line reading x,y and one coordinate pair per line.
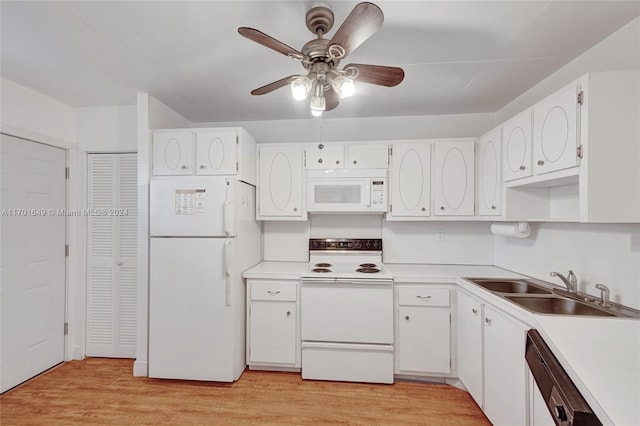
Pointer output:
x,y
203,236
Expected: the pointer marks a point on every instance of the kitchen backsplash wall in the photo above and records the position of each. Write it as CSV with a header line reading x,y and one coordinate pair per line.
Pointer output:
x,y
403,242
461,243
597,253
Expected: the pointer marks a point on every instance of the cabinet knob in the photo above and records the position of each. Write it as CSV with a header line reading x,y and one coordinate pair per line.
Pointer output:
x,y
522,167
487,320
295,209
441,207
320,160
355,162
288,313
202,166
337,161
320,146
540,162
407,318
493,207
183,167
119,263
424,209
475,311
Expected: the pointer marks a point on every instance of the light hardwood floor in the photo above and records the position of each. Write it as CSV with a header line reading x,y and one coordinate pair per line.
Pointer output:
x,y
103,391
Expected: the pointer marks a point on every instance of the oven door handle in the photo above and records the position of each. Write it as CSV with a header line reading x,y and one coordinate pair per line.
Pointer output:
x,y
356,281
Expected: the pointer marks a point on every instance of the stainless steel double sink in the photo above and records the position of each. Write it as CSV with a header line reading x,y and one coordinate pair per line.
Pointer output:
x,y
538,299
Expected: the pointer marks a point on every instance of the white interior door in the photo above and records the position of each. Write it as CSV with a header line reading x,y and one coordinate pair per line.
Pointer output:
x,y
112,255
32,292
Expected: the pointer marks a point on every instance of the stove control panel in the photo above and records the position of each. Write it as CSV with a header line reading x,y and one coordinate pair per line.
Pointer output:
x,y
346,244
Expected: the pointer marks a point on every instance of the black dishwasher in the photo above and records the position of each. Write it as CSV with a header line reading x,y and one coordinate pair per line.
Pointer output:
x,y
564,401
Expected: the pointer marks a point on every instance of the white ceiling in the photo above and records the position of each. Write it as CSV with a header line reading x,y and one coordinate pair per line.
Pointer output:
x,y
458,56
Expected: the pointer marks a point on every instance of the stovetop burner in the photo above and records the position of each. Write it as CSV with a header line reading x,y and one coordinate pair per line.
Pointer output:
x,y
368,270
323,265
323,270
368,265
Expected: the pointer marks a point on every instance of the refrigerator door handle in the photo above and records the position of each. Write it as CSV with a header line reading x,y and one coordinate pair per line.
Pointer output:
x,y
229,212
227,273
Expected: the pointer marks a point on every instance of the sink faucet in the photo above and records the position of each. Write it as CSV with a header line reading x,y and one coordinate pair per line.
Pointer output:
x,y
570,280
604,295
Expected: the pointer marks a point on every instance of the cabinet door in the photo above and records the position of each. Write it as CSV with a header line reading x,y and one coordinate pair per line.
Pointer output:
x,y
424,340
324,156
469,320
216,152
411,180
453,190
555,135
173,153
368,156
273,332
489,174
505,369
517,136
280,182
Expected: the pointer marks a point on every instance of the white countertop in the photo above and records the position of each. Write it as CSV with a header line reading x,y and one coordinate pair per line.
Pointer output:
x,y
277,270
601,355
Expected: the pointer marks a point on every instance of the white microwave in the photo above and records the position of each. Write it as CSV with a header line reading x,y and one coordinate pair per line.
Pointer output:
x,y
347,194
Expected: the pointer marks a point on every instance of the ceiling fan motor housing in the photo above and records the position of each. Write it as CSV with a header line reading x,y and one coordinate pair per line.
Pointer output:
x,y
319,19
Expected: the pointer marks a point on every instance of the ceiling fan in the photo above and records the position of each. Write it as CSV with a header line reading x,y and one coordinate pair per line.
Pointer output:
x,y
325,83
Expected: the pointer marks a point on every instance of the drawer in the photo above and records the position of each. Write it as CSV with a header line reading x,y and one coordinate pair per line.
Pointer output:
x,y
423,296
280,292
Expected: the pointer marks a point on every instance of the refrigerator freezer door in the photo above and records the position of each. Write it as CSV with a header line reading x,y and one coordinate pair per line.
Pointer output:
x,y
192,332
188,206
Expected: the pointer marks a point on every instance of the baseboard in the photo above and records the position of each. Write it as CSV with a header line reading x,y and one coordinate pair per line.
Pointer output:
x,y
456,383
140,369
76,353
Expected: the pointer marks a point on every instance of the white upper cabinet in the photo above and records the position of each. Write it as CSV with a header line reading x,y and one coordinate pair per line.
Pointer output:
x,y
368,156
322,156
410,180
280,182
453,178
204,151
173,153
555,131
489,176
216,152
517,134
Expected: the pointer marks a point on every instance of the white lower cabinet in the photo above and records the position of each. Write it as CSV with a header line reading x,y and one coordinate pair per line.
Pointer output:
x,y
491,361
273,334
423,335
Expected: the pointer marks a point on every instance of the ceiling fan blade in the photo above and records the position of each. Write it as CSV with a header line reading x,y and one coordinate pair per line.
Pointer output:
x,y
378,74
331,98
272,86
363,21
268,41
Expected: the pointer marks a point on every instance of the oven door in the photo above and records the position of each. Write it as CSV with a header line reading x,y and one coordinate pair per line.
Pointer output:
x,y
339,195
347,311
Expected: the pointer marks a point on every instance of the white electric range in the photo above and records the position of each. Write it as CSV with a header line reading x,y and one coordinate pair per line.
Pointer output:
x,y
347,312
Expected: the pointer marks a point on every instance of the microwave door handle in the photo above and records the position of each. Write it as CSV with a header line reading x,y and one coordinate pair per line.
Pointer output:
x,y
368,192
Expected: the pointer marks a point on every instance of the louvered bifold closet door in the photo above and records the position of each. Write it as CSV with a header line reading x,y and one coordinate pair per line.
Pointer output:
x,y
111,258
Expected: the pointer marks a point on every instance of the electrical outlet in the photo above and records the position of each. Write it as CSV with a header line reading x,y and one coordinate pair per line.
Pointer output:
x,y
440,235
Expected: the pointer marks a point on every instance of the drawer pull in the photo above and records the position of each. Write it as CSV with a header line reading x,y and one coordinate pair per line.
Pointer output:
x,y
288,313
423,297
273,293
487,320
475,311
407,317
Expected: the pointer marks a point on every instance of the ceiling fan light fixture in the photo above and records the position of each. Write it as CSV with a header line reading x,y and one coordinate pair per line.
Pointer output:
x,y
318,101
300,88
343,86
316,112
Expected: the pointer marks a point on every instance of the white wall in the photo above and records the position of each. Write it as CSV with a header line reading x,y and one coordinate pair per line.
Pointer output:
x,y
150,114
107,129
364,129
31,115
597,253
